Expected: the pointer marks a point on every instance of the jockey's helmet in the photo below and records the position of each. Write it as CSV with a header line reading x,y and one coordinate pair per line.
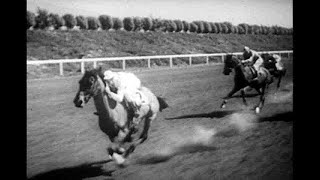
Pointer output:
x,y
246,48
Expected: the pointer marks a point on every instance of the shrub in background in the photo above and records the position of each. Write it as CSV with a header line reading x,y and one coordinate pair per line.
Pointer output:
x,y
169,25
206,27
93,23
224,28
241,30
213,27
117,23
234,30
56,21
106,22
42,19
137,23
245,27
69,20
193,27
186,26
128,23
179,25
156,24
229,27
31,19
82,22
200,26
219,27
146,23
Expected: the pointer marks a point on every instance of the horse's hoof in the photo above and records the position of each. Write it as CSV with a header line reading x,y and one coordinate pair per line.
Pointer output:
x,y
118,159
257,110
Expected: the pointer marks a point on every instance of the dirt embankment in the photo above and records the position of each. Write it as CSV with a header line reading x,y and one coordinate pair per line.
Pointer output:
x,y
72,44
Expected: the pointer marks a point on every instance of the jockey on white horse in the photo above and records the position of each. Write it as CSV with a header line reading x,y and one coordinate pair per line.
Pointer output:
x,y
278,64
124,86
253,57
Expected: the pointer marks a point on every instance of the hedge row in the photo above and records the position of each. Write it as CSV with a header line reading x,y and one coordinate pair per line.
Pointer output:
x,y
44,20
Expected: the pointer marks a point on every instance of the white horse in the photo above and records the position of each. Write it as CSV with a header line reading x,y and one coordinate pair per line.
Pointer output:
x,y
114,117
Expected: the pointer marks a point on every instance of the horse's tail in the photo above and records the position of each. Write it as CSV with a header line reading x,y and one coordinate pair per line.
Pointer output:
x,y
163,103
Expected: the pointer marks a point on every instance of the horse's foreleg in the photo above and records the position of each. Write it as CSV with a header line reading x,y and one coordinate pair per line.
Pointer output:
x,y
279,81
225,99
243,96
262,99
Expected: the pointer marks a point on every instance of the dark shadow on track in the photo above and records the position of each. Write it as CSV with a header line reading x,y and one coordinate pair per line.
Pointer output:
x,y
76,172
246,95
214,114
184,149
286,116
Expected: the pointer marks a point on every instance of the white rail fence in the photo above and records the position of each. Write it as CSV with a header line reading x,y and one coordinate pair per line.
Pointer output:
x,y
148,58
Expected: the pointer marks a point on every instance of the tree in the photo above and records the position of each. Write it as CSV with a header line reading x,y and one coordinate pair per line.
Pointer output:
x,y
146,23
117,23
186,26
93,23
224,28
137,23
193,27
245,27
128,23
56,21
229,27
179,25
219,28
82,22
106,22
31,19
70,21
200,26
206,27
42,19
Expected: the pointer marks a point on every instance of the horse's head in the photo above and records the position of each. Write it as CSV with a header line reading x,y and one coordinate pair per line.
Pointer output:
x,y
229,63
87,87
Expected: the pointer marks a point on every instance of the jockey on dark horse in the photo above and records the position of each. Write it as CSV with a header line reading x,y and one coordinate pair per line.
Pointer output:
x,y
253,59
273,63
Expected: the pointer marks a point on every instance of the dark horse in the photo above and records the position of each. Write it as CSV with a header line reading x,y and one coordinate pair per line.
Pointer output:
x,y
114,117
269,63
242,79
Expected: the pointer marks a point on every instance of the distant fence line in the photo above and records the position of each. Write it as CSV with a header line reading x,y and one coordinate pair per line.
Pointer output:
x,y
124,59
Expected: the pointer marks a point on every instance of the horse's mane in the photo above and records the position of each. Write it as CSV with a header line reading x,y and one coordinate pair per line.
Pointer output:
x,y
94,72
231,58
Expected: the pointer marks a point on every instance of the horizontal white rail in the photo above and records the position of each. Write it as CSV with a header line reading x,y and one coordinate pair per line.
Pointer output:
x,y
124,59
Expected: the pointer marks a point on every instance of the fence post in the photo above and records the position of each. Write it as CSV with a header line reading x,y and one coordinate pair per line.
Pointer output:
x,y
170,62
190,61
61,68
82,67
123,64
207,59
94,64
149,65
222,59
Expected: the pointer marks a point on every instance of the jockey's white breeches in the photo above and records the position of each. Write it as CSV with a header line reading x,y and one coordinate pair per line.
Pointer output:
x,y
135,98
279,66
258,64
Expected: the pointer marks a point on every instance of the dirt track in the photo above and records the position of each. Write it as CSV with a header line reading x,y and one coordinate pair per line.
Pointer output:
x,y
60,137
